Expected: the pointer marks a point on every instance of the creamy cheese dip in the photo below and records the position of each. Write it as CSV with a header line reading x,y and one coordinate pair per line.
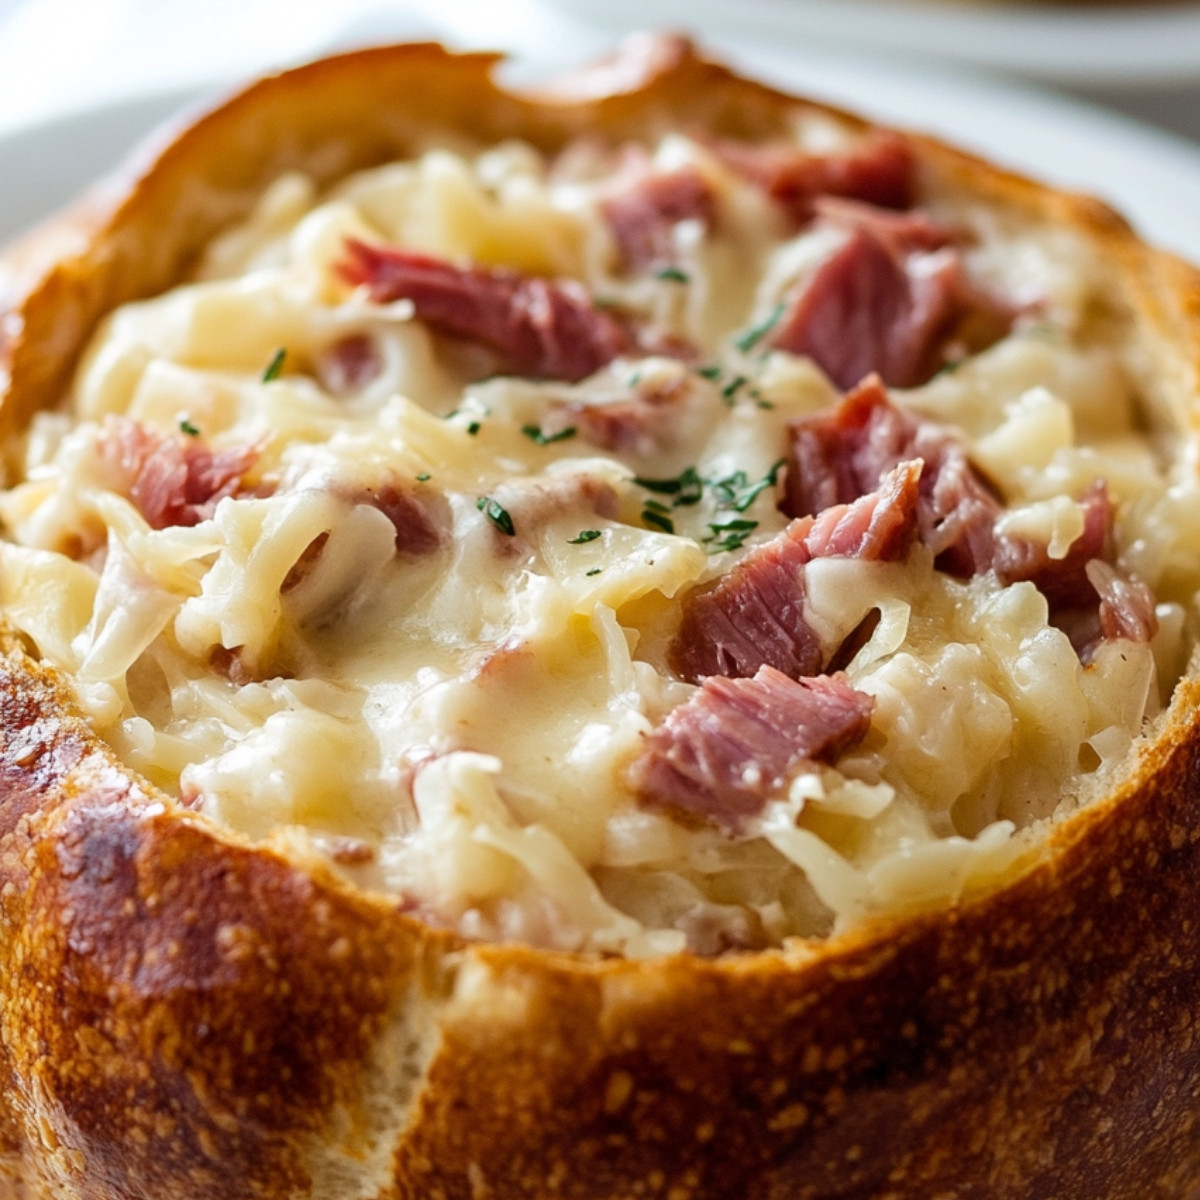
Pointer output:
x,y
323,567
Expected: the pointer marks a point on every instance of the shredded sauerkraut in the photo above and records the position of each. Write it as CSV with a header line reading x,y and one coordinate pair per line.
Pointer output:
x,y
364,597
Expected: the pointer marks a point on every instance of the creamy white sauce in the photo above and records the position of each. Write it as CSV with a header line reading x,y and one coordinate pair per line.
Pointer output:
x,y
455,726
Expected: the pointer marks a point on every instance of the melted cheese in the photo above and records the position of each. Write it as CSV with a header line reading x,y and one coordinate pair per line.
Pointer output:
x,y
454,725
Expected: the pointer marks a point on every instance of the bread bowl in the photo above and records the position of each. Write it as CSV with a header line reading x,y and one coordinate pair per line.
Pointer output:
x,y
220,979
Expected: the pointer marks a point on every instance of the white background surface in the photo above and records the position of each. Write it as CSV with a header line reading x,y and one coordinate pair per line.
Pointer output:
x,y
98,70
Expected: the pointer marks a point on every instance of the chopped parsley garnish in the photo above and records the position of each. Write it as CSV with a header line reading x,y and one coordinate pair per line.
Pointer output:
x,y
691,488
585,535
497,514
755,334
731,389
658,520
594,571
424,477
732,534
535,434
275,366
185,426
687,487
664,487
672,275
737,492
473,426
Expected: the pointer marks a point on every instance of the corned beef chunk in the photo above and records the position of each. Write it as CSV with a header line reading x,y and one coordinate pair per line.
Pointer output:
x,y
173,480
535,327
879,170
721,755
889,300
754,616
840,454
643,214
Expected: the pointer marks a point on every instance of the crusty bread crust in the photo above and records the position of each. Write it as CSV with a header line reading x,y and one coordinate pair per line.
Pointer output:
x,y
184,1015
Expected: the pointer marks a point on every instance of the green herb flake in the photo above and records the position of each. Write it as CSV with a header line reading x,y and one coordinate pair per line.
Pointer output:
x,y
594,571
658,521
728,487
585,535
497,514
712,371
672,275
691,488
474,428
686,487
664,487
535,435
185,426
751,337
731,389
730,535
735,491
734,541
275,366
424,477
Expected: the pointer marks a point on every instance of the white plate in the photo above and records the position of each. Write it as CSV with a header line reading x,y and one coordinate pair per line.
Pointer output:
x,y
1152,177
1064,43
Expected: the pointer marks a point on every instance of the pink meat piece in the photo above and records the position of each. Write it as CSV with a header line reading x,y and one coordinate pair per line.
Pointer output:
x,y
645,421
420,516
348,365
1126,605
721,755
881,302
1126,610
958,509
643,214
534,501
900,232
535,327
754,616
1066,582
880,170
843,453
173,480
420,520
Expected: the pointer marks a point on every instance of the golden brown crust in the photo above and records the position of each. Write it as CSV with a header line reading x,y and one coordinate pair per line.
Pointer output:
x,y
184,1015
